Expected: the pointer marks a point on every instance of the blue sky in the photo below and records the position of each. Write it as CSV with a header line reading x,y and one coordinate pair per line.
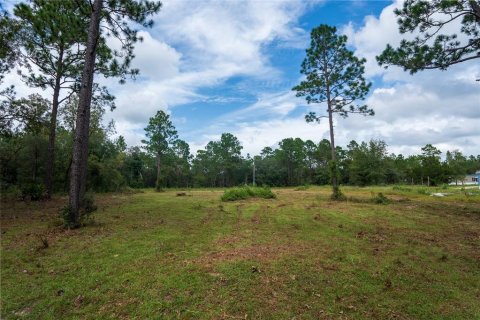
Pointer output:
x,y
238,92
229,66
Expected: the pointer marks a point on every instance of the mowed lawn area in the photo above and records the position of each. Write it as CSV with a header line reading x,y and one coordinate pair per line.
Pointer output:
x,y
301,256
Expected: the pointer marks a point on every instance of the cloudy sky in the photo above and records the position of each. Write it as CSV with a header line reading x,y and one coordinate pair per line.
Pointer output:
x,y
229,66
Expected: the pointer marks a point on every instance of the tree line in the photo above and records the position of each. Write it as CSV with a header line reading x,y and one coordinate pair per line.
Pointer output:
x,y
165,161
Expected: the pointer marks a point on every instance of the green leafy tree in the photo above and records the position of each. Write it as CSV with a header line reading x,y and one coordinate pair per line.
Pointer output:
x,y
473,164
133,167
292,156
457,165
433,48
228,151
220,163
181,162
311,158
51,36
431,165
333,76
368,163
324,158
161,136
23,145
203,170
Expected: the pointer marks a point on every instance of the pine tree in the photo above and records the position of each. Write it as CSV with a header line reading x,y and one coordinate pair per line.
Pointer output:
x,y
333,76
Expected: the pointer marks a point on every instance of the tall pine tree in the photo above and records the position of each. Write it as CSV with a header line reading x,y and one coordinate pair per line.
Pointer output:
x,y
333,76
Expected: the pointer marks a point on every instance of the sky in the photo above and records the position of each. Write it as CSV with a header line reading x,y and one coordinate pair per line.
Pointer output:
x,y
229,66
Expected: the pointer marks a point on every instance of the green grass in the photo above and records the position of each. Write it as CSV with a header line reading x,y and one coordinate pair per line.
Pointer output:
x,y
245,192
158,256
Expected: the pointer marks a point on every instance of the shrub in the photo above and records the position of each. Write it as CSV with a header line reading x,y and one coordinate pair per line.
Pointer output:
x,y
338,195
89,205
380,199
86,211
33,191
246,192
12,193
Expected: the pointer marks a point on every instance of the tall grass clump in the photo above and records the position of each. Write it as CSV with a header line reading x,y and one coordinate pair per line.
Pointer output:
x,y
240,193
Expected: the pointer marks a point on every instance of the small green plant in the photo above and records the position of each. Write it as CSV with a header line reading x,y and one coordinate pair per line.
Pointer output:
x,y
33,192
246,192
89,204
86,211
338,195
380,199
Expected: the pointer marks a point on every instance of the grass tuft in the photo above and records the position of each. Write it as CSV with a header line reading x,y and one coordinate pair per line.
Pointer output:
x,y
380,199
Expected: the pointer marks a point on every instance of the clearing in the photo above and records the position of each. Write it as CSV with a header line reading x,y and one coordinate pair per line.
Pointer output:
x,y
300,256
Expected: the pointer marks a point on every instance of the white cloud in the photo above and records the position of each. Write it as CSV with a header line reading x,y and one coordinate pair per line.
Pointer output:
x,y
438,107
278,104
196,45
156,60
255,135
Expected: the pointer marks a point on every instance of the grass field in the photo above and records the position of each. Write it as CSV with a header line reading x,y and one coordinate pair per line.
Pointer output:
x,y
300,256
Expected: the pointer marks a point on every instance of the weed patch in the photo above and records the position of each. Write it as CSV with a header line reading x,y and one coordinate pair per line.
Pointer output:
x,y
241,193
380,198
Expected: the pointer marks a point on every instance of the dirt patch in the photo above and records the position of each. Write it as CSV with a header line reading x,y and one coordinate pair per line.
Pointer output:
x,y
259,214
230,240
207,219
379,235
397,198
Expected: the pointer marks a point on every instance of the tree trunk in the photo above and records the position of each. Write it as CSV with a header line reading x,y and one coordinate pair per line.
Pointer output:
x,y
80,145
332,146
158,185
67,174
50,165
333,166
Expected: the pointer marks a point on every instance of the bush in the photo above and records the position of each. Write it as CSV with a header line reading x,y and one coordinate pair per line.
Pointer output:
x,y
33,191
380,199
246,192
337,195
86,211
11,193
